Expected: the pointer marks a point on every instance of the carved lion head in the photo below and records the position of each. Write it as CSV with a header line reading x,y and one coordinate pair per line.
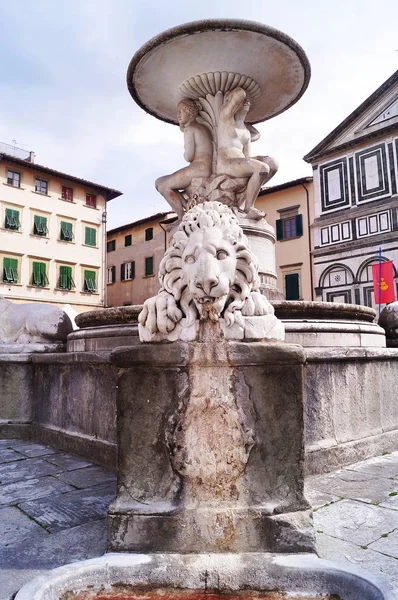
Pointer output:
x,y
209,269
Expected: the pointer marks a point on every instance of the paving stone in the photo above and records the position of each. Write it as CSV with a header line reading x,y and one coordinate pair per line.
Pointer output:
x,y
32,448
355,486
68,462
16,492
21,563
7,443
345,553
387,545
380,466
15,526
88,477
64,511
317,498
8,455
26,469
355,522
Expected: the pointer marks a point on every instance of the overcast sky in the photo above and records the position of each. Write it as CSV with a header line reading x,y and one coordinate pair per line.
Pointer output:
x,y
63,92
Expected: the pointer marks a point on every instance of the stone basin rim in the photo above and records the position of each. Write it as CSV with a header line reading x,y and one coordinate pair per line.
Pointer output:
x,y
297,573
207,25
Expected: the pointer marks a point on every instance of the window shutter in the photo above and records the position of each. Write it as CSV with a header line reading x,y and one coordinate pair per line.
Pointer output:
x,y
113,269
299,225
89,281
279,229
65,277
133,269
10,270
36,275
292,286
149,266
122,272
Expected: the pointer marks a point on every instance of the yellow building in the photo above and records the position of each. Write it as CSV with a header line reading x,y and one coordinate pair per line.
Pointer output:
x,y
289,209
134,252
52,234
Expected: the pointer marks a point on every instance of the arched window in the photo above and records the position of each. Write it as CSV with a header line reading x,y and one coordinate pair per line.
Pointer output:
x,y
337,284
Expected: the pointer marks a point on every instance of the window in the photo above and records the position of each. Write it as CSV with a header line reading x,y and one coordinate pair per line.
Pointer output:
x,y
111,246
90,284
91,200
39,277
12,219
14,178
292,287
289,227
111,278
127,271
149,266
148,234
90,236
66,234
67,193
41,186
10,270
65,281
40,225
127,240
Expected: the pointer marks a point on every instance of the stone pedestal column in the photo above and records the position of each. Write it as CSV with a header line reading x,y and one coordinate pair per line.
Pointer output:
x,y
211,449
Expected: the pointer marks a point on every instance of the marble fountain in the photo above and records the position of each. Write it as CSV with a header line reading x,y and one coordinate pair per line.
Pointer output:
x,y
211,400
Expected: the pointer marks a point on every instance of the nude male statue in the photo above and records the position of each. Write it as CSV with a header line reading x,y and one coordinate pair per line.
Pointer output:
x,y
233,157
198,151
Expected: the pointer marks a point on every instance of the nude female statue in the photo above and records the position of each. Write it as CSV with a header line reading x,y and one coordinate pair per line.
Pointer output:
x,y
233,154
198,151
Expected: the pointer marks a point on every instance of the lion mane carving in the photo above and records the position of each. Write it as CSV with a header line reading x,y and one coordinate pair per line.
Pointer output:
x,y
208,273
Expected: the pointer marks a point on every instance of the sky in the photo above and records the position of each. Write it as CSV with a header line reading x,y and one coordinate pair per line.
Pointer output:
x,y
63,87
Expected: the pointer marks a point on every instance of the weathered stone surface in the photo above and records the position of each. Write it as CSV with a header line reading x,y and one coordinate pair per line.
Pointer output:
x,y
9,455
70,509
355,522
389,320
32,449
68,462
87,477
31,468
387,545
378,466
31,488
317,498
203,460
350,484
15,526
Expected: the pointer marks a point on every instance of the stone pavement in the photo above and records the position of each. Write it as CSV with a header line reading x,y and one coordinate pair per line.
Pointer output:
x,y
53,507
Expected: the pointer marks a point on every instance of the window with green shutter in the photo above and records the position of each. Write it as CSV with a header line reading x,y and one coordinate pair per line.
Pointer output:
x,y
149,266
12,219
10,270
39,276
90,284
289,227
292,286
66,231
65,281
90,236
40,225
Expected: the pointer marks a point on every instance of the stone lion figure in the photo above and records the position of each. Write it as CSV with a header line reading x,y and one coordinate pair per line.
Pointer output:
x,y
208,273
32,323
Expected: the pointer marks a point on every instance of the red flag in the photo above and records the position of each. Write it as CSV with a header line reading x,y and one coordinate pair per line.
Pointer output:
x,y
383,282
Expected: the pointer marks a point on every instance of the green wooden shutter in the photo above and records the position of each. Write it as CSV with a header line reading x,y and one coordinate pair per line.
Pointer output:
x,y
40,225
149,265
122,272
299,225
279,229
12,219
65,278
89,281
90,236
10,270
132,269
292,286
113,271
39,276
66,231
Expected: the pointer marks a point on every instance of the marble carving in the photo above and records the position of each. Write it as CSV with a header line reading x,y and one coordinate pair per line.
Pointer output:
x,y
32,323
209,273
217,143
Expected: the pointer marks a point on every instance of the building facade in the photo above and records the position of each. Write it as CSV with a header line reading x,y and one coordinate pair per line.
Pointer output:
x,y
134,252
52,235
289,209
355,171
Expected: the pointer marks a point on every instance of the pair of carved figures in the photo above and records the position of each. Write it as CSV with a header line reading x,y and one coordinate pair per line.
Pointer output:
x,y
218,151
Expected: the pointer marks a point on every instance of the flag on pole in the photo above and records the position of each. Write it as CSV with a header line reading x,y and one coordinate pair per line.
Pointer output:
x,y
383,282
